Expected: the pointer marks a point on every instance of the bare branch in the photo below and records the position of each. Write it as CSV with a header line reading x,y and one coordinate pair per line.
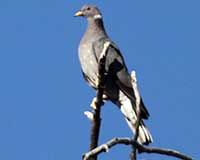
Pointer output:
x,y
96,123
137,123
128,141
98,101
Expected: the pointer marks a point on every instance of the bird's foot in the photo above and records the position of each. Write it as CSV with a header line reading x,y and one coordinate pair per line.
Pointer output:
x,y
94,103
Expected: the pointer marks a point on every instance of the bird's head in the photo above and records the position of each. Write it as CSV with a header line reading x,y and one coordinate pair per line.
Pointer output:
x,y
89,12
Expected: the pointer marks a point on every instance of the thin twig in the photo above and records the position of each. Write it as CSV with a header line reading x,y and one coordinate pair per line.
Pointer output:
x,y
127,141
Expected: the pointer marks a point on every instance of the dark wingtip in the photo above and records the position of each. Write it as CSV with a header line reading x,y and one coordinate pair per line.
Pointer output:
x,y
144,111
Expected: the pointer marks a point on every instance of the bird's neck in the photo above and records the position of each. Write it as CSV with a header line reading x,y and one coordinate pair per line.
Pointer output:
x,y
96,27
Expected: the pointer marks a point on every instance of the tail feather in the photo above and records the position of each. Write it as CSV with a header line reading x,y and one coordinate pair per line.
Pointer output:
x,y
148,138
144,136
127,109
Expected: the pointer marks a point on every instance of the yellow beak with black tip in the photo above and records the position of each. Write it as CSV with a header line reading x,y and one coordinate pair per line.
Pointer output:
x,y
78,14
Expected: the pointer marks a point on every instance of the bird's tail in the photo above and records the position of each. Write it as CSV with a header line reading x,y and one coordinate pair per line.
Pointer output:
x,y
126,107
144,136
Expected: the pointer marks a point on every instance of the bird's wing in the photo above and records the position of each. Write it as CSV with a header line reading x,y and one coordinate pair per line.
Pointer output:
x,y
116,67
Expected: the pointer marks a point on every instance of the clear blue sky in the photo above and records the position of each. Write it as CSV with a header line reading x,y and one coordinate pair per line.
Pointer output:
x,y
43,95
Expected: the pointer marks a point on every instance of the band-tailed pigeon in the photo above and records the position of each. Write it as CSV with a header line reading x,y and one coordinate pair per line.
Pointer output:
x,y
118,86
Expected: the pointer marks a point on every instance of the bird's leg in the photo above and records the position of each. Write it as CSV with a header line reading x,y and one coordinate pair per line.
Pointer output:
x,y
94,101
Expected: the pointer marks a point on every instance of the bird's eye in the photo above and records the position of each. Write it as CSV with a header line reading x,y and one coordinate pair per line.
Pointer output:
x,y
88,8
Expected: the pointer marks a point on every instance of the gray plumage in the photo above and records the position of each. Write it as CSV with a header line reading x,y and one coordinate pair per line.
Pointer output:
x,y
118,87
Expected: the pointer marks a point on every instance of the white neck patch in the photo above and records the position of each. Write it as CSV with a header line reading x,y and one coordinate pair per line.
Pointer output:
x,y
98,16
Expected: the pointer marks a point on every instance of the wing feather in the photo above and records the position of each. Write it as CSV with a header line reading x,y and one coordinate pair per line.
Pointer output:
x,y
116,67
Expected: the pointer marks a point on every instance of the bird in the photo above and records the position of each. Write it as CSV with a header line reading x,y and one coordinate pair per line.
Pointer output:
x,y
118,85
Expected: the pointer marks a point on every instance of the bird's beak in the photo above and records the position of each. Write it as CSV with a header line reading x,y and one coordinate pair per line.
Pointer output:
x,y
78,14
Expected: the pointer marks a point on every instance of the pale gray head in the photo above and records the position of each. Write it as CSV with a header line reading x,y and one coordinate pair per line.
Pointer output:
x,y
89,12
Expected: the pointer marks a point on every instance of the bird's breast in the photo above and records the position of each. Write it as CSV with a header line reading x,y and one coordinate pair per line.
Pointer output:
x,y
88,61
